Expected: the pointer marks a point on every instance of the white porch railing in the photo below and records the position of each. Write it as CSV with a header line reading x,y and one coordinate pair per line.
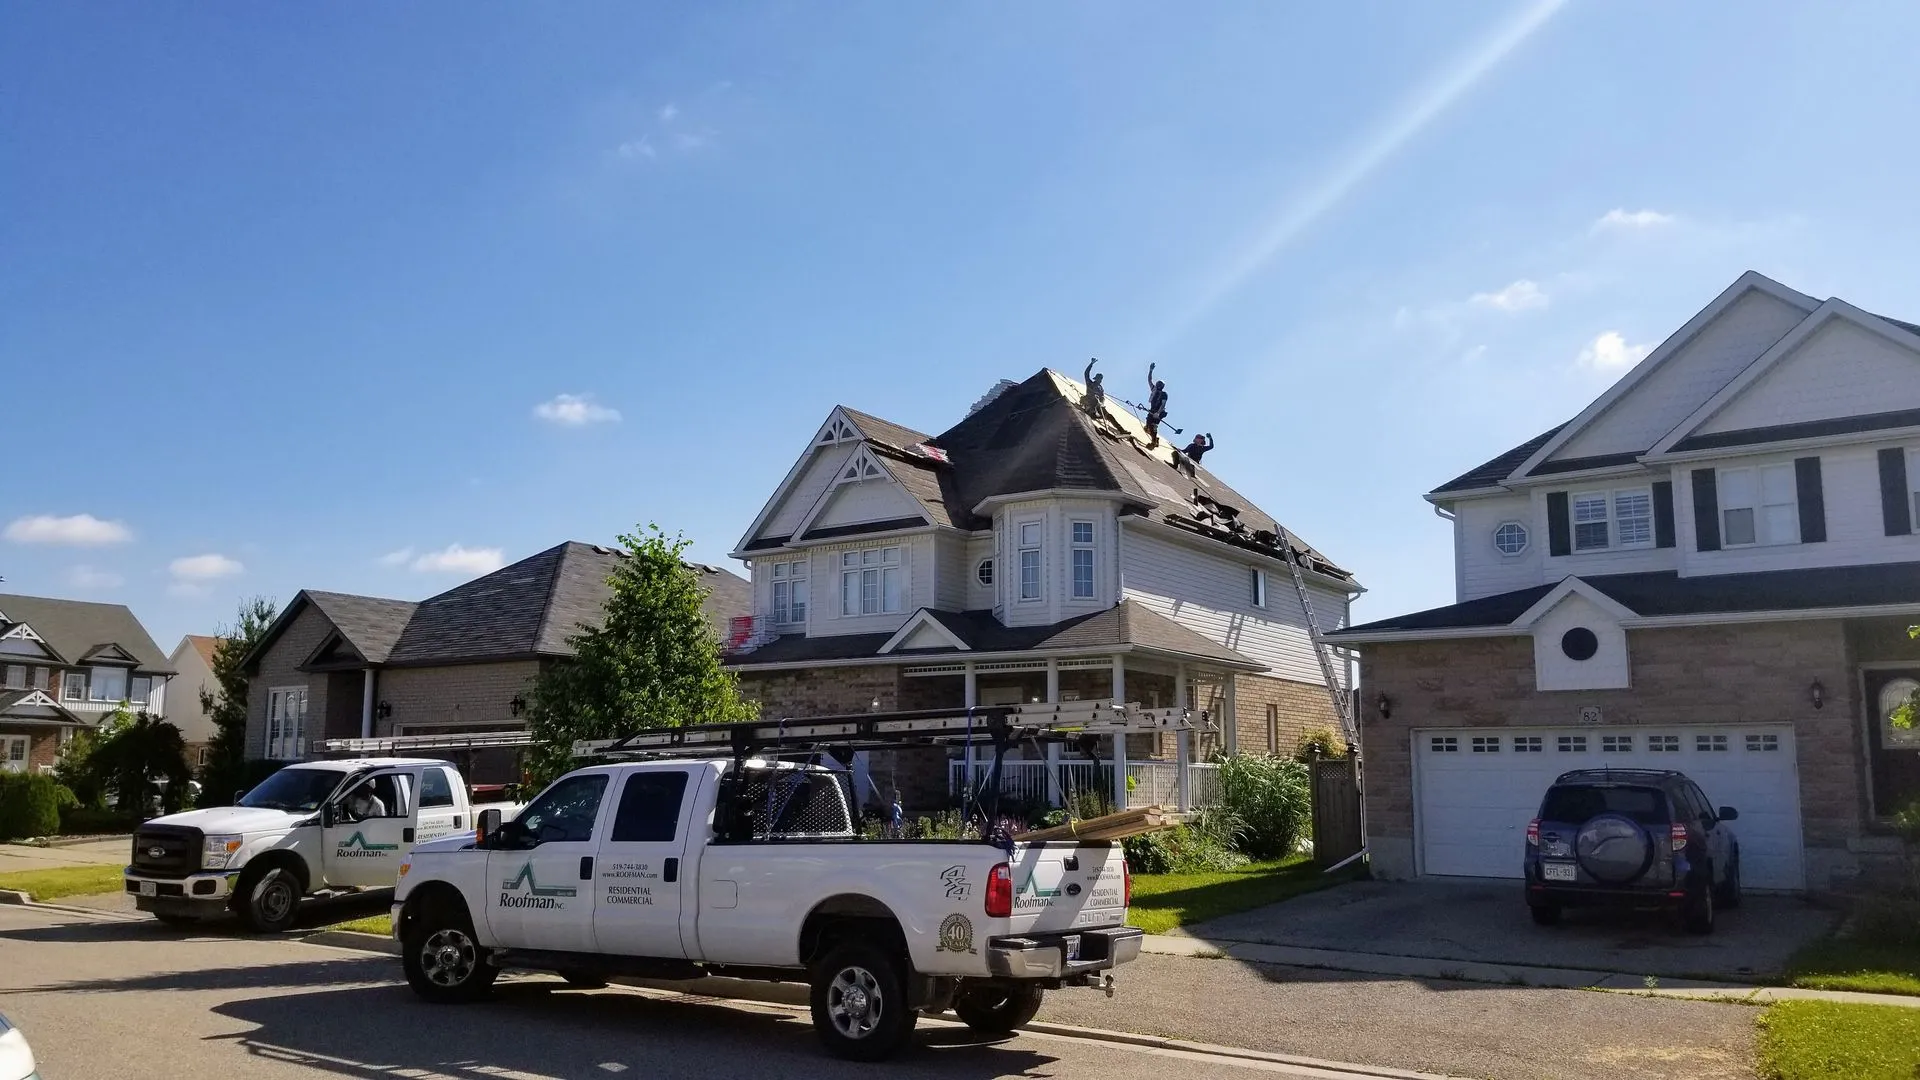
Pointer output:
x,y
1153,782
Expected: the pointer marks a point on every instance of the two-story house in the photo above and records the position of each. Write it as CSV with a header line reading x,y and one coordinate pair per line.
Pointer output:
x,y
192,662
1712,568
1041,549
64,664
339,666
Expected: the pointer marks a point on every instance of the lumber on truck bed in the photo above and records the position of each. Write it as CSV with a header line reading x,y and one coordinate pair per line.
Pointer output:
x,y
1117,826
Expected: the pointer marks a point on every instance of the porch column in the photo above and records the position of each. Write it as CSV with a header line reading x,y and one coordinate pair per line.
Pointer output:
x,y
1119,738
366,704
1231,739
1055,793
1182,742
972,698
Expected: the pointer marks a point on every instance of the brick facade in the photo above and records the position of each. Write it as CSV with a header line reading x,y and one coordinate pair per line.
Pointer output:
x,y
453,696
1296,707
279,668
43,744
1738,673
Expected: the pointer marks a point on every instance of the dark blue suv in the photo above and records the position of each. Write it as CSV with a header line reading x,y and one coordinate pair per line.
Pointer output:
x,y
1632,838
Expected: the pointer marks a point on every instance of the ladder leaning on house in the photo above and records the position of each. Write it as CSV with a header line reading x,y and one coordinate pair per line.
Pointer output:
x,y
1342,699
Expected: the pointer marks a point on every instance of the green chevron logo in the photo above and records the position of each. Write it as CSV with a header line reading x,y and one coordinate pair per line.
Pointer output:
x,y
534,888
357,847
1031,895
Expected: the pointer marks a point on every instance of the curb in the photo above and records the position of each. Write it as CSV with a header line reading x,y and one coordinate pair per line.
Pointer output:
x,y
19,899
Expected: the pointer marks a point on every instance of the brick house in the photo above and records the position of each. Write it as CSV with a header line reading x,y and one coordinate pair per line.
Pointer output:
x,y
1710,569
335,666
1040,549
65,664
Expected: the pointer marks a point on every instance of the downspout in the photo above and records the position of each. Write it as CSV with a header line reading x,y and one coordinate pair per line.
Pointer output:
x,y
366,705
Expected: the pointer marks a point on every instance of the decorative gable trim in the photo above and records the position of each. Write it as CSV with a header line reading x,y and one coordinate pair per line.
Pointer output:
x,y
923,620
1573,586
864,466
334,650
109,653
1747,282
1827,313
838,430
23,632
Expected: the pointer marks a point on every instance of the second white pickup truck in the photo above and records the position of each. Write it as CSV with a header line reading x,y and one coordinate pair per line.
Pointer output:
x,y
751,868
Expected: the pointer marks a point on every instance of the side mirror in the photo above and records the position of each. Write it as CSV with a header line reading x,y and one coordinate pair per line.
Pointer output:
x,y
488,825
1728,813
238,794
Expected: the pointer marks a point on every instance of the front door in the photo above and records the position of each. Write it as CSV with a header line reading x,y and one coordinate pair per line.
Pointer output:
x,y
370,827
1893,750
637,889
540,882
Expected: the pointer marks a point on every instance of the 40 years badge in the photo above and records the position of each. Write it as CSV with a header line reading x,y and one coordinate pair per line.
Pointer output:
x,y
956,934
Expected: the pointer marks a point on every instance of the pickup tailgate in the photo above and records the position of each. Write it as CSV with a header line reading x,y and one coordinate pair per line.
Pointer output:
x,y
1059,886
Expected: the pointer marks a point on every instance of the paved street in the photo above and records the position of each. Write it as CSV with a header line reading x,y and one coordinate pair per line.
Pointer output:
x,y
114,1000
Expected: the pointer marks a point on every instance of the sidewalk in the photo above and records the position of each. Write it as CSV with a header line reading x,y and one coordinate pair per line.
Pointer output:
x,y
107,851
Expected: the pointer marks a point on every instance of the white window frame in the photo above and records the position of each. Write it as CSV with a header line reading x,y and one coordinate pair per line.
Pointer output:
x,y
9,763
16,677
983,572
1758,506
1083,558
1036,548
880,562
134,693
788,577
1259,586
66,686
1526,538
1610,503
95,689
284,739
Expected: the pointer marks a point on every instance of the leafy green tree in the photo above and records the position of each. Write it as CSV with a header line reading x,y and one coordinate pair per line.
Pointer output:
x,y
139,757
653,661
226,770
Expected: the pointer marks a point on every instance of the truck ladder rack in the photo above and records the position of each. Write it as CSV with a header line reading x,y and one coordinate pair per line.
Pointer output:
x,y
408,745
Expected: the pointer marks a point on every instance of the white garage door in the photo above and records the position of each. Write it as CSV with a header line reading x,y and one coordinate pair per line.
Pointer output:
x,y
1476,789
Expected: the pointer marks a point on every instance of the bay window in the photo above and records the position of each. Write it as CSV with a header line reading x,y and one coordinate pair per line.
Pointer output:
x,y
790,592
108,684
1759,506
870,582
1083,560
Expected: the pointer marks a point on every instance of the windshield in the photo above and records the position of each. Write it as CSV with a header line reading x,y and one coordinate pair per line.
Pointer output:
x,y
1576,805
294,790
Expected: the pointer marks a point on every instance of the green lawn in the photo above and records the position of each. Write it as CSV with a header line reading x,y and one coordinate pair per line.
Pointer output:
x,y
1162,902
1826,1040
381,924
51,884
1863,963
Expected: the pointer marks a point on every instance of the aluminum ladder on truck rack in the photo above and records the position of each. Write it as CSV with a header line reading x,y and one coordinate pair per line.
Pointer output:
x,y
1342,703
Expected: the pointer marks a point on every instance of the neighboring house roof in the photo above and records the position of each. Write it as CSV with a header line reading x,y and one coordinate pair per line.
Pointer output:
x,y
36,707
79,631
205,645
1665,594
1127,625
371,624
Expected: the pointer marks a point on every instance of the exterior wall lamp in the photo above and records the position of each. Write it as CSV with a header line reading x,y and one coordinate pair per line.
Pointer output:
x,y
517,706
1817,692
383,710
1385,706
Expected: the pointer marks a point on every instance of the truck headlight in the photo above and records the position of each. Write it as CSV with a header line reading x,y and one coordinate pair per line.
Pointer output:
x,y
218,851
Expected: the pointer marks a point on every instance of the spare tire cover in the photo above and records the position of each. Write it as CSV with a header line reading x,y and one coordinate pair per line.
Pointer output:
x,y
1613,848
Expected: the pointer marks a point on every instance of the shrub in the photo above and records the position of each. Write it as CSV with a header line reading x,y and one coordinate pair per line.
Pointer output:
x,y
1271,798
30,805
94,821
1204,845
1320,741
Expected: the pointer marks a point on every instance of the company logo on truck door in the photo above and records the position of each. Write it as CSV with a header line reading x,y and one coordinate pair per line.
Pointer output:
x,y
1032,895
357,847
537,895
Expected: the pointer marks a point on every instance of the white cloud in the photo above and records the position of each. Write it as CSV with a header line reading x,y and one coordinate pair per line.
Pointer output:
x,y
396,558
1620,218
668,112
575,410
204,567
88,577
641,147
1610,352
457,559
80,530
1519,296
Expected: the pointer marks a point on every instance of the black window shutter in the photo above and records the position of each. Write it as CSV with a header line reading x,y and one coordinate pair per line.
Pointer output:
x,y
1706,510
1663,513
1813,501
1559,524
1895,510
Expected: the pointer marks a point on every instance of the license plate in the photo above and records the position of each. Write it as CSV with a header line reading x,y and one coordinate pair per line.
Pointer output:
x,y
148,888
1073,946
1557,871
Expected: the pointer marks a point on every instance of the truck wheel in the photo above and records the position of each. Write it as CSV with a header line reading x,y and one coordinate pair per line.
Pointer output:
x,y
443,962
997,1010
860,1003
1697,916
268,899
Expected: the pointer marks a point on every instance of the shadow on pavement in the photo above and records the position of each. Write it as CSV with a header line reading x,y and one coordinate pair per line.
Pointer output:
x,y
535,1027
313,915
250,976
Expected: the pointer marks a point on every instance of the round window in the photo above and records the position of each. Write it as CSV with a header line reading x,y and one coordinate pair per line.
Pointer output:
x,y
1510,538
1579,643
984,572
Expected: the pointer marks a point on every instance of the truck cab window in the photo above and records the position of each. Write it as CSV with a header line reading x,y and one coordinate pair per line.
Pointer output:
x,y
435,789
382,796
564,813
650,807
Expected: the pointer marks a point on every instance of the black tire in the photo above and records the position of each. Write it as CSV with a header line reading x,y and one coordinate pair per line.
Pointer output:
x,y
444,963
268,899
997,1009
583,980
1698,915
1544,914
1729,893
859,1002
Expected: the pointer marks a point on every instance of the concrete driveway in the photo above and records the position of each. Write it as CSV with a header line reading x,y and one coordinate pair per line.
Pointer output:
x,y
1488,922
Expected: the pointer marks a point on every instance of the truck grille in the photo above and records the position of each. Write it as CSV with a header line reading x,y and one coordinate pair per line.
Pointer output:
x,y
178,850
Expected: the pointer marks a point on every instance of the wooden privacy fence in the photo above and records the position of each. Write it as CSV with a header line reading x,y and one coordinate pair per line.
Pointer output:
x,y
1336,809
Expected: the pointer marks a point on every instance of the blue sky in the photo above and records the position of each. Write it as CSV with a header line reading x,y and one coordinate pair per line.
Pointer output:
x,y
285,287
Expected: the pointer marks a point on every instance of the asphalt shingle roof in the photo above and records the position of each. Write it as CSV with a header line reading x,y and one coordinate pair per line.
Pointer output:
x,y
77,629
11,709
371,624
1489,473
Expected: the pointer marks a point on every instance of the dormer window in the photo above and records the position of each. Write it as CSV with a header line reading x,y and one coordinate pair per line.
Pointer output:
x,y
108,684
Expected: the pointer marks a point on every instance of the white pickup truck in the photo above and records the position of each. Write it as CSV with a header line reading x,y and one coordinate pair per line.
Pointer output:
x,y
678,869
311,828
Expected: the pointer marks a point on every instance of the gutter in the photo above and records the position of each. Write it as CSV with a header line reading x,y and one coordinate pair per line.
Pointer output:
x,y
749,667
